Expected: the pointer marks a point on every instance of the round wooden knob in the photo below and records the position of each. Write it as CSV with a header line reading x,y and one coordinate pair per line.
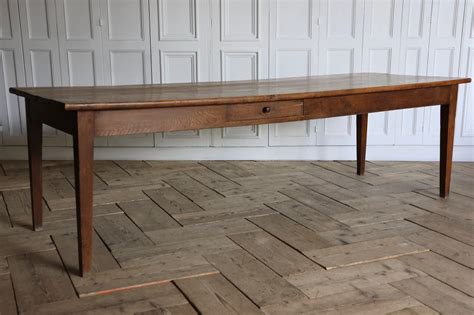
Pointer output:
x,y
266,109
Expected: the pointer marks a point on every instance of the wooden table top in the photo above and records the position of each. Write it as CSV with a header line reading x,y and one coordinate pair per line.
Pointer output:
x,y
215,93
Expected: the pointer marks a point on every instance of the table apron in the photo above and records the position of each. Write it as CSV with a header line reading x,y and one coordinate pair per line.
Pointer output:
x,y
375,102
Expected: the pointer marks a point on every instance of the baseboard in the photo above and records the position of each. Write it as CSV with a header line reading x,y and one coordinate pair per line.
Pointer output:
x,y
392,153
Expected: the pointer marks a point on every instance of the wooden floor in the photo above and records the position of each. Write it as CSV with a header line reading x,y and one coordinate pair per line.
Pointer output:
x,y
227,237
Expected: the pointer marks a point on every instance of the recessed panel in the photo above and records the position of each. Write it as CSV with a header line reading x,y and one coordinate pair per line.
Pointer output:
x,y
382,18
337,126
340,61
5,23
243,132
179,67
341,18
443,62
10,114
467,128
447,18
81,68
293,129
186,134
410,121
125,19
239,19
37,19
293,63
416,9
239,66
293,19
378,124
41,67
178,19
380,60
78,20
412,61
127,67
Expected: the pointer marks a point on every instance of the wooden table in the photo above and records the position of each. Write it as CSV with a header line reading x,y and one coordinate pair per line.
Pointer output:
x,y
85,112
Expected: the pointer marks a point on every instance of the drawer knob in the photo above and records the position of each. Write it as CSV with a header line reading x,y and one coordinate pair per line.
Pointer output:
x,y
266,109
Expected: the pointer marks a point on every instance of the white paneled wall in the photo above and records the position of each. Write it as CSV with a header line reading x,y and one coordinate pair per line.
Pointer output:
x,y
97,42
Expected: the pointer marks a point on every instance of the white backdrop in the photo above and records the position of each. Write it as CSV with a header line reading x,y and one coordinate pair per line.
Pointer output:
x,y
96,42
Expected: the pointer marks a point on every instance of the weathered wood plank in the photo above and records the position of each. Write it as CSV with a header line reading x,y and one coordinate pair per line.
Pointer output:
x,y
247,201
172,201
147,255
290,232
101,197
254,279
226,169
443,269
192,232
317,284
278,256
214,294
211,179
371,232
5,223
7,296
460,230
444,246
437,295
363,252
39,278
306,216
317,201
161,299
147,215
193,189
170,267
354,298
67,248
378,215
118,231
221,214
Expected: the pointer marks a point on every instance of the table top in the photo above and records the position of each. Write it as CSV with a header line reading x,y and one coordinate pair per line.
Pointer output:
x,y
216,93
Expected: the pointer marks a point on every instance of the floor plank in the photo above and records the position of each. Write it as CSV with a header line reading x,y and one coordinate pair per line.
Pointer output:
x,y
254,279
118,231
317,284
458,229
445,246
214,294
156,299
306,216
169,267
443,269
363,252
437,295
39,278
147,215
281,258
7,296
172,201
290,232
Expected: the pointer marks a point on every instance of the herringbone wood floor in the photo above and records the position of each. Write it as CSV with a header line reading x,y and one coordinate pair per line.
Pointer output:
x,y
228,237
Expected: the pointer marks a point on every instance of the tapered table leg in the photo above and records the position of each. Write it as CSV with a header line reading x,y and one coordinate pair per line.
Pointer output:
x,y
448,118
362,120
83,166
35,143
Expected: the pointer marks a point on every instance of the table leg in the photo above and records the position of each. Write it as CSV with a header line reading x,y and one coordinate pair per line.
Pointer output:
x,y
448,118
362,120
35,143
83,166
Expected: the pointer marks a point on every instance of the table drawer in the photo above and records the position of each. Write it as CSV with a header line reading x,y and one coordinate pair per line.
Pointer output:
x,y
263,110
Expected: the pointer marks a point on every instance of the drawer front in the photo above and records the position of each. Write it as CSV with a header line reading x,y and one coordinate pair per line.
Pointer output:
x,y
263,110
